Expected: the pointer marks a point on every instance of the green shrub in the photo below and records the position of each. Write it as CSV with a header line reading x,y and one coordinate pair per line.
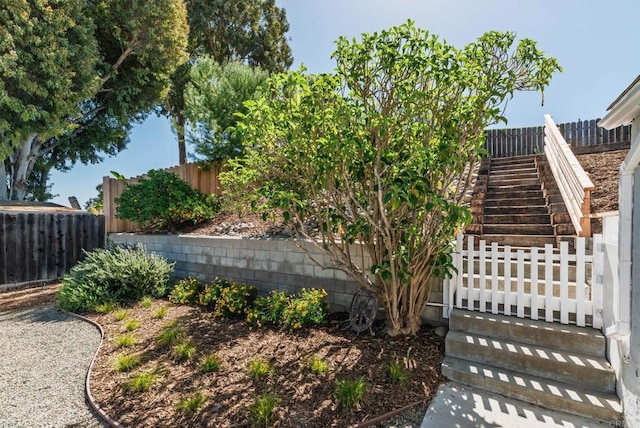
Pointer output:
x,y
263,409
132,325
307,308
141,382
126,362
163,201
120,314
211,294
116,275
211,363
192,404
268,309
259,369
105,308
171,335
186,291
349,393
235,299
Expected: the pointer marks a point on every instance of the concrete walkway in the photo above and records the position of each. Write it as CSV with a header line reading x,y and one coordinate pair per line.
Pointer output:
x,y
44,357
458,406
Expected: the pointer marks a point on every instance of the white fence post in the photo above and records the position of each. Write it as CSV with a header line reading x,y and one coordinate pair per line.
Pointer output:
x,y
596,280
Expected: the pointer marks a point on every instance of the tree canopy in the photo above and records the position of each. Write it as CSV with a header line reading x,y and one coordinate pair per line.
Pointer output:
x,y
75,75
379,156
212,98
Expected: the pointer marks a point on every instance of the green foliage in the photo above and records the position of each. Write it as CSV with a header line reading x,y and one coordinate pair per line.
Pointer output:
x,y
120,314
381,152
146,302
185,350
307,308
160,312
96,204
131,325
349,393
397,371
141,382
105,308
263,409
268,309
118,274
74,75
235,299
211,363
259,369
171,335
212,98
186,291
125,340
210,294
317,365
126,362
191,405
163,201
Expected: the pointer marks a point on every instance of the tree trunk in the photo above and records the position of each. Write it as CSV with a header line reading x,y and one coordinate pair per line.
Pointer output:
x,y
179,124
4,189
22,161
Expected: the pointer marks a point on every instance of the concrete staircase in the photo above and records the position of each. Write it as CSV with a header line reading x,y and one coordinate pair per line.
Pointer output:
x,y
555,366
511,205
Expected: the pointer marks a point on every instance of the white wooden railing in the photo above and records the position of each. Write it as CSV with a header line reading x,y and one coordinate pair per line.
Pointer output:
x,y
575,186
536,283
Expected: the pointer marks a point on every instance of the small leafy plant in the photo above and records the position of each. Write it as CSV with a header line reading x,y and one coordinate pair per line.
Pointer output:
x,y
317,365
192,404
211,363
268,309
141,382
160,313
120,314
105,308
126,362
146,302
259,369
185,350
132,325
235,299
263,409
397,371
186,291
349,393
171,335
307,308
125,340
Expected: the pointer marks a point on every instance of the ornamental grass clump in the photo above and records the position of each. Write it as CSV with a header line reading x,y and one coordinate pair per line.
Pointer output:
x,y
263,409
349,393
191,405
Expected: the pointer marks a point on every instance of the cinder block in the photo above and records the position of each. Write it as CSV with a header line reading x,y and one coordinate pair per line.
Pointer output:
x,y
318,272
277,256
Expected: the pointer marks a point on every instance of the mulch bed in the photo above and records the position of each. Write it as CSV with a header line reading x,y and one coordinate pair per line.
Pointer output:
x,y
306,399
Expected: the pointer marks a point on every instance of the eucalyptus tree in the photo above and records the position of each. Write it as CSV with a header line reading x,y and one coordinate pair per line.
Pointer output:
x,y
379,155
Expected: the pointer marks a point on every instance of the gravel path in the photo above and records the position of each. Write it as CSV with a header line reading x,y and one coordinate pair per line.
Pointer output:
x,y
44,357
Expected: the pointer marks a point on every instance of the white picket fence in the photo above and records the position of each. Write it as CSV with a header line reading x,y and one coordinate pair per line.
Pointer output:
x,y
536,283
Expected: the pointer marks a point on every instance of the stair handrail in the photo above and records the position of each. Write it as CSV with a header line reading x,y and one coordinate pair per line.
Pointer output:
x,y
573,182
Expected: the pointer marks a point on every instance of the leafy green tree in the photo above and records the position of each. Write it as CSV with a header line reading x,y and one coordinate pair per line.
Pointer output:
x,y
381,153
247,31
74,75
212,98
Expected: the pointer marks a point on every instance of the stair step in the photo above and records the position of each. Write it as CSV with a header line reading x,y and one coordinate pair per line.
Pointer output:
x,y
533,209
586,371
503,193
517,218
518,229
584,340
520,240
512,176
513,160
513,202
547,393
513,181
500,170
513,188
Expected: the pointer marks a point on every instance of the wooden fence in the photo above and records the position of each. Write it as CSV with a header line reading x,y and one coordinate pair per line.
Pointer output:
x,y
536,283
43,246
582,136
204,180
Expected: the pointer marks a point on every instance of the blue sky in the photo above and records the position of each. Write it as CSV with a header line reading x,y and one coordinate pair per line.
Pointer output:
x,y
596,42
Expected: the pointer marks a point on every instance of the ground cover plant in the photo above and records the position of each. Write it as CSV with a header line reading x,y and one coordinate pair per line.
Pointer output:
x,y
305,367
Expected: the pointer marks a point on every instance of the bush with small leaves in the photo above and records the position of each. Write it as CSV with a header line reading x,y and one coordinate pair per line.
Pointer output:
x,y
307,308
115,275
162,201
186,291
235,299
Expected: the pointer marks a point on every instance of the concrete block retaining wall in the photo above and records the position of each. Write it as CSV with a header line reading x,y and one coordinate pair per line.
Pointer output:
x,y
268,264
